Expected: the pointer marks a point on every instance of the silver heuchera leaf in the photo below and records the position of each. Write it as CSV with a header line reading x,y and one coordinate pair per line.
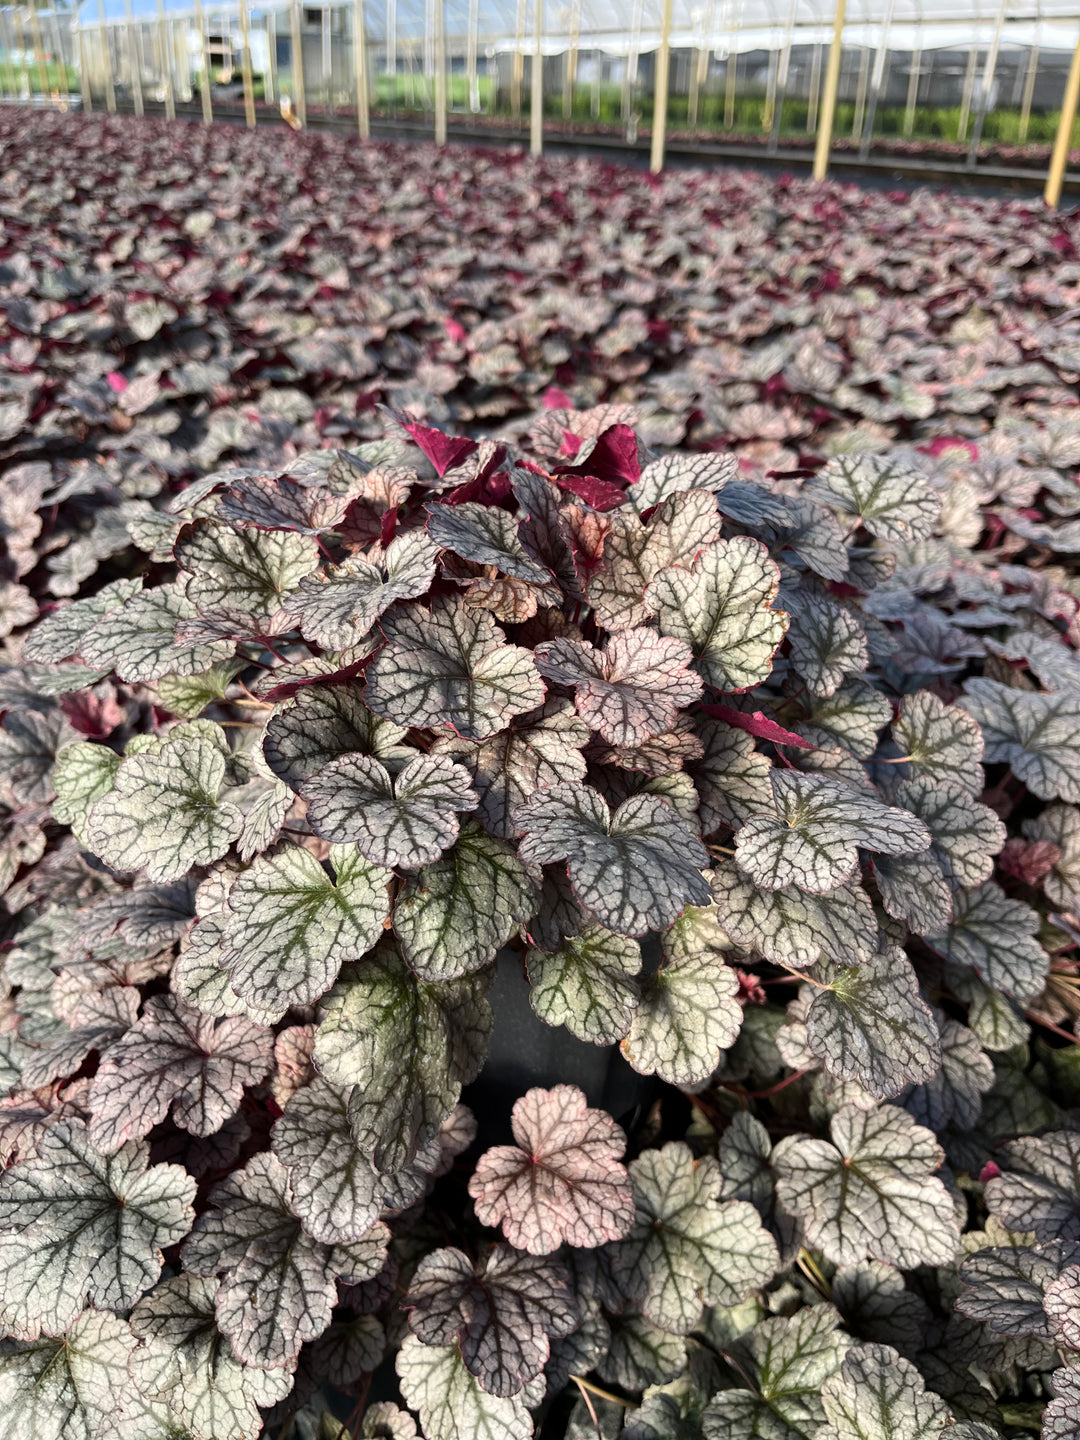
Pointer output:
x,y
871,1025
1008,1285
336,1191
139,642
278,1285
249,570
731,777
74,1225
877,1306
337,607
630,690
1034,734
1038,1188
827,644
29,744
404,821
186,1363
792,928
633,553
437,1385
674,473
954,1095
59,634
486,535
854,715
688,1248
291,927
321,723
942,741
587,983
997,937
163,813
635,869
96,1022
688,1014
535,750
872,1191
451,666
66,1387
893,501
878,1395
813,841
174,1056
721,606
966,834
453,916
790,1358
406,1046
562,1183
501,1314
82,774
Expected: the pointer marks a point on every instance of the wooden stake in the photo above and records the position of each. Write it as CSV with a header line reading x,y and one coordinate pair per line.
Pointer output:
x,y
660,93
245,67
828,99
536,84
363,114
1059,157
204,73
296,56
440,72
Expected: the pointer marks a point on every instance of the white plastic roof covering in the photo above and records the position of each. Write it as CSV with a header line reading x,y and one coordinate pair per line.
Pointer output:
x,y
620,27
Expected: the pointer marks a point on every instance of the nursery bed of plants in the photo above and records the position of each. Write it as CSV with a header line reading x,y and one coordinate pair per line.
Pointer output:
x,y
435,580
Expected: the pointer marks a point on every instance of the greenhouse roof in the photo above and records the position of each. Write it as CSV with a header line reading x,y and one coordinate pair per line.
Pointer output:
x,y
622,26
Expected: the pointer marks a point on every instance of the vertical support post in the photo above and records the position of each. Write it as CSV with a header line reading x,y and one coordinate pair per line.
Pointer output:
x,y
985,86
166,62
204,73
20,39
1060,154
391,51
769,109
630,81
134,68
327,54
877,83
660,93
110,92
84,74
699,69
570,73
536,83
828,99
1029,91
59,50
11,82
862,84
912,91
39,50
270,75
245,67
296,66
813,100
360,71
968,92
517,72
440,72
783,71
472,45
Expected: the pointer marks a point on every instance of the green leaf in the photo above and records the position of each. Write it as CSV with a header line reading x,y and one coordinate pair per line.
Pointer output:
x,y
189,695
790,1359
588,983
721,606
878,1395
635,869
82,774
942,741
687,1248
407,1046
892,500
450,665
437,1385
688,1014
254,571
872,1191
291,927
74,1224
404,822
454,915
871,1025
163,813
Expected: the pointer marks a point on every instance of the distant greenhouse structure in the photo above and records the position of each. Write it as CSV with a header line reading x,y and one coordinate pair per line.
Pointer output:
x,y
819,73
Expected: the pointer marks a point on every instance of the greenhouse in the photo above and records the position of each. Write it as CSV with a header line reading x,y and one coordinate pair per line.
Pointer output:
x,y
540,720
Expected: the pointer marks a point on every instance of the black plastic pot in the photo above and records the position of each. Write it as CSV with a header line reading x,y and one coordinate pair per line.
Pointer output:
x,y
524,1052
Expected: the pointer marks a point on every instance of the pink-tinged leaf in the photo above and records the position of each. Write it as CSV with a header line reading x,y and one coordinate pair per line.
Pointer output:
x,y
343,676
562,1182
600,494
615,456
503,1313
630,690
757,724
444,451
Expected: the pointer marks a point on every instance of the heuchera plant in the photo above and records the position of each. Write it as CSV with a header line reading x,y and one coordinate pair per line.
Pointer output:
x,y
370,725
